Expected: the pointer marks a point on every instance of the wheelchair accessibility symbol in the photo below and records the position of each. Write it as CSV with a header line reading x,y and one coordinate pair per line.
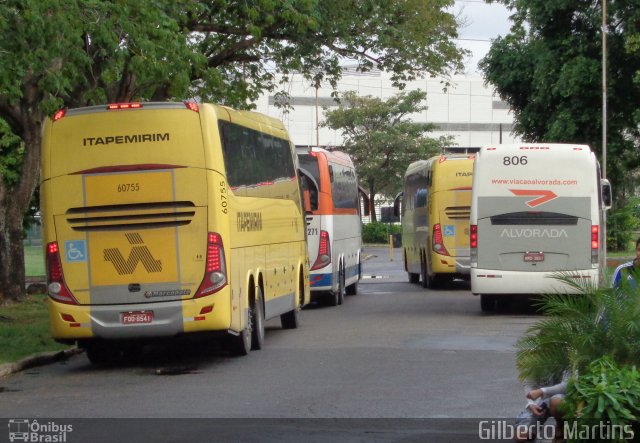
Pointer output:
x,y
75,250
449,231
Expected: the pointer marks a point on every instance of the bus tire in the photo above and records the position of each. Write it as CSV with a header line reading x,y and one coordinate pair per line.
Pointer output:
x,y
291,319
352,289
427,281
341,286
487,302
413,278
257,322
240,345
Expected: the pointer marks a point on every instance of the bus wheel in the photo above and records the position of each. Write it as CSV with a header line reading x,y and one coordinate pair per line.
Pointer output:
x,y
341,288
257,322
290,320
240,344
487,302
413,278
427,282
352,289
103,353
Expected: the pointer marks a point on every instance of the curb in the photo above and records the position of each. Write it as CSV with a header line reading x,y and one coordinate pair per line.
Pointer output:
x,y
41,359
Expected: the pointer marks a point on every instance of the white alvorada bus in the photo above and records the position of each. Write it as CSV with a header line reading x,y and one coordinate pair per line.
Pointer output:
x,y
334,235
536,211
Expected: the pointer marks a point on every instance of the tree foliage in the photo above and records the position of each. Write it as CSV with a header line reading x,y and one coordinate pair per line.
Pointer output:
x,y
381,138
72,53
548,68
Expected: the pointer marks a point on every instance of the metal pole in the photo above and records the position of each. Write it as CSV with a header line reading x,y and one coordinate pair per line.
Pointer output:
x,y
317,124
604,122
604,88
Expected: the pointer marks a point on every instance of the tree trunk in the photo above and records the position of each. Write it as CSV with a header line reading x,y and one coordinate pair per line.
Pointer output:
x,y
372,199
12,278
14,202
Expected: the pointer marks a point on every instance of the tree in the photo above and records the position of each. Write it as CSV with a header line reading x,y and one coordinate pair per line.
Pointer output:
x,y
549,70
59,54
381,139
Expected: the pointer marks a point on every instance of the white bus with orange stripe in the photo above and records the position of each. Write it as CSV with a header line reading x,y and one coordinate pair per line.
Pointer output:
x,y
333,227
436,204
537,210
164,219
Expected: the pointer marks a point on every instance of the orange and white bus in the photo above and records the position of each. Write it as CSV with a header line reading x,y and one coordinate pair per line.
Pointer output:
x,y
334,232
436,205
163,219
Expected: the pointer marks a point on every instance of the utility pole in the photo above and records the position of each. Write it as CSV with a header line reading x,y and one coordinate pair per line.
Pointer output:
x,y
317,86
604,88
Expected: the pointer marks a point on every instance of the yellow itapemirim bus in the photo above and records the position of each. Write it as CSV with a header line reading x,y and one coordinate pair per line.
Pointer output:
x,y
436,205
163,219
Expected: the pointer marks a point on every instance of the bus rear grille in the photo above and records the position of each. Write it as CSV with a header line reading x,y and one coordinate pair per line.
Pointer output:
x,y
534,218
136,216
458,212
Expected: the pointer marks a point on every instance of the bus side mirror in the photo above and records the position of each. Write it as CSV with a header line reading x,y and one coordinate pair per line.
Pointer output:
x,y
310,190
607,197
365,200
396,204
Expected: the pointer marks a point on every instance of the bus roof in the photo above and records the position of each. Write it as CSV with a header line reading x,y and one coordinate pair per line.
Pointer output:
x,y
423,165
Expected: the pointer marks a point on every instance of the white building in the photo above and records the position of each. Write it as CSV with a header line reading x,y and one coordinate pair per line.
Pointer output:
x,y
468,110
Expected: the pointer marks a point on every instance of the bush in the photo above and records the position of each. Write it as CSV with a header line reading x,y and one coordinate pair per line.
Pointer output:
x,y
622,224
606,393
377,232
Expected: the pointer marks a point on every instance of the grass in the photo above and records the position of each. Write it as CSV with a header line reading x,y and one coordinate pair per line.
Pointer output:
x,y
33,261
24,329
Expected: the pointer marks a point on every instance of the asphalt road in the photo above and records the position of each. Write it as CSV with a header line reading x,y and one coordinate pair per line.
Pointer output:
x,y
393,352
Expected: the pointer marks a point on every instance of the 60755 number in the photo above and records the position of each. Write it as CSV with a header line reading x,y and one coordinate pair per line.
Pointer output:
x,y
128,187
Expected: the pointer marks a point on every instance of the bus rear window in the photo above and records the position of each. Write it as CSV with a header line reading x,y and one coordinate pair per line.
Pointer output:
x,y
534,218
310,163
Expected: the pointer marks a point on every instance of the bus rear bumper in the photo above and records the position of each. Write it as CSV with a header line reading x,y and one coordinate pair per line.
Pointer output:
x,y
491,281
143,320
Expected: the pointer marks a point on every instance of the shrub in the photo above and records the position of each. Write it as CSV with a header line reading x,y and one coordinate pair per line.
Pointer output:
x,y
377,232
608,394
622,224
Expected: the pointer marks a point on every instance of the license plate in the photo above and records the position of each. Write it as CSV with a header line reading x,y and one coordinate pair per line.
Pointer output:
x,y
136,317
533,256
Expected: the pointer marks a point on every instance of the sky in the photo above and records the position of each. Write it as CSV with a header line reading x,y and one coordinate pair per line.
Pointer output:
x,y
483,22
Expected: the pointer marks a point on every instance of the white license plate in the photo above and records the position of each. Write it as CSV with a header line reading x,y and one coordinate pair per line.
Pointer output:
x,y
136,317
531,257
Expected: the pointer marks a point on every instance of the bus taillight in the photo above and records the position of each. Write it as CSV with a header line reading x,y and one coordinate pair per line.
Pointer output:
x,y
56,286
215,276
324,252
438,243
473,236
473,244
595,243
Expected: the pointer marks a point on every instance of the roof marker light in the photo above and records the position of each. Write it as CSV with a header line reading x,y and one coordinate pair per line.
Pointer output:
x,y
192,105
114,106
59,114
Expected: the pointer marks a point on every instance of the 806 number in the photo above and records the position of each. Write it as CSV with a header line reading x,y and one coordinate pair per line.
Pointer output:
x,y
515,160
